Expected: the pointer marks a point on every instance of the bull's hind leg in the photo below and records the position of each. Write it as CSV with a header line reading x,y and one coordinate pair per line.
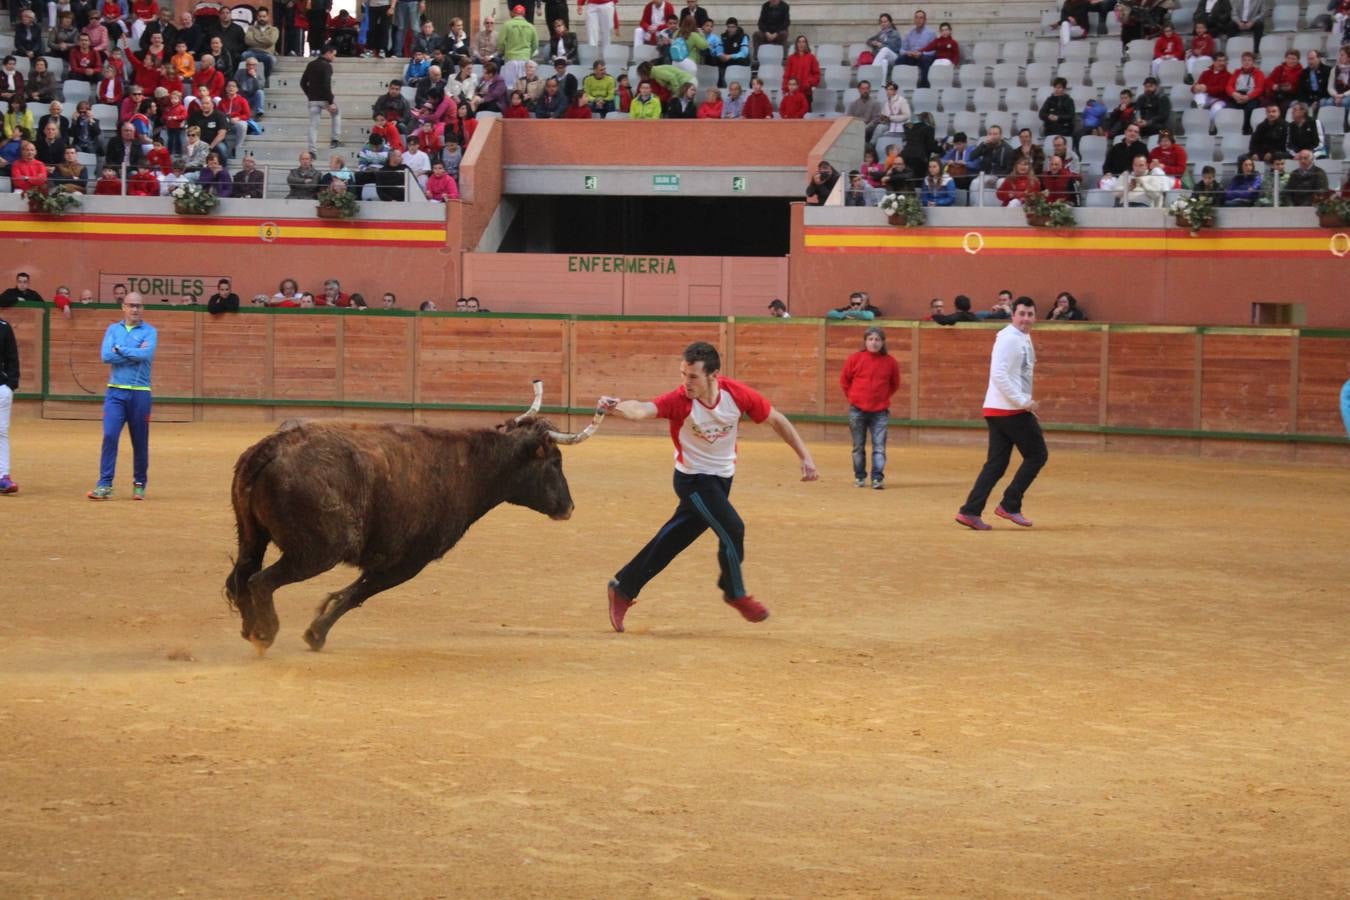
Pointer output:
x,y
353,595
287,570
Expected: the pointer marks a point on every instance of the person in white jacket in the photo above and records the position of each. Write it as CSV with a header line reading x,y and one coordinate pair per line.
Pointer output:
x,y
1010,414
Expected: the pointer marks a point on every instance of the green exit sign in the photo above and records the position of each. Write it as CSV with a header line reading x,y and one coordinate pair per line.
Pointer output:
x,y
590,182
666,183
738,182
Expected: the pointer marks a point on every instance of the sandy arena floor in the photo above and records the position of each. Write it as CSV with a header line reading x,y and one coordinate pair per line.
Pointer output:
x,y
1146,694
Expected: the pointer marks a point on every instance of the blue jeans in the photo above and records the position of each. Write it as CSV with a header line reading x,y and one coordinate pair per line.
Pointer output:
x,y
859,425
132,409
407,22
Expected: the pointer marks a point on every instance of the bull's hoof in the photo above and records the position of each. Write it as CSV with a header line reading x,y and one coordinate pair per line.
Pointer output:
x,y
259,644
314,639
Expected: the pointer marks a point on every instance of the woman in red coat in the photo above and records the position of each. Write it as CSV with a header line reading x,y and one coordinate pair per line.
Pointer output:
x,y
803,66
1014,189
1168,154
869,379
712,105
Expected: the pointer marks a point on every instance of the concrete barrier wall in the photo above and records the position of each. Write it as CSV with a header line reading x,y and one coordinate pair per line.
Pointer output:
x,y
1244,390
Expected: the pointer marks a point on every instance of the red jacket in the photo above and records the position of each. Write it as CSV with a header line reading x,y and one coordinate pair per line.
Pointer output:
x,y
1258,82
1062,186
869,379
236,107
108,187
174,116
794,106
945,48
1172,47
85,62
143,184
663,12
1016,187
145,76
27,173
213,78
109,91
512,112
1203,46
757,106
1215,83
805,68
710,110
1173,159
1283,81
578,112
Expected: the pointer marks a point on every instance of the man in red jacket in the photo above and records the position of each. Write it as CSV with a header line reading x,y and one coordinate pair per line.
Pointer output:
x,y
870,378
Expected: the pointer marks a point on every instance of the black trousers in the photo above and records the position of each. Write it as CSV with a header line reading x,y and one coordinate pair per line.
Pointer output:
x,y
1022,431
704,503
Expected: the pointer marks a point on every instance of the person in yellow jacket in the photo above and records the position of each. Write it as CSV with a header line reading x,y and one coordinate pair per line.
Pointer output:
x,y
645,104
600,89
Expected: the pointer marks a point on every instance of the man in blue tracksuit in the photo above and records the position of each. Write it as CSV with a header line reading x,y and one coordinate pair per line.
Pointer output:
x,y
129,347
1345,407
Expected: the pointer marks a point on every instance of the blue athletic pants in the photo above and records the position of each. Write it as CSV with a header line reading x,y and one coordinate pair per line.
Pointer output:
x,y
132,409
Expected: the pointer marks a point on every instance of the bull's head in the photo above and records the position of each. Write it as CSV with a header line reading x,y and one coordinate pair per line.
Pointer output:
x,y
539,483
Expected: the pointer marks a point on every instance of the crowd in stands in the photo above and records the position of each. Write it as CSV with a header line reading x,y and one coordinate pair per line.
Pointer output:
x,y
859,307
178,106
288,296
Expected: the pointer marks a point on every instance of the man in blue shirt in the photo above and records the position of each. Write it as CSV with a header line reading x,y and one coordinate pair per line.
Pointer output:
x,y
912,51
129,347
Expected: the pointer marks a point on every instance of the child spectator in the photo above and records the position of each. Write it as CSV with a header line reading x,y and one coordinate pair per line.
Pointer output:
x,y
388,131
795,104
757,104
108,184
440,186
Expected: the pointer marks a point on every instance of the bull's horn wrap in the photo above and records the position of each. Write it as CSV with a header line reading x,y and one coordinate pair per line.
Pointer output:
x,y
538,400
602,406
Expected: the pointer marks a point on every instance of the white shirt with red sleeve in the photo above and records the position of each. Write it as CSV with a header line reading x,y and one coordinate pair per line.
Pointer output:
x,y
705,435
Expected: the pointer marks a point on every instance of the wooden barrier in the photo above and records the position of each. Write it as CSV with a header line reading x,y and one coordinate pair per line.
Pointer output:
x,y
1273,391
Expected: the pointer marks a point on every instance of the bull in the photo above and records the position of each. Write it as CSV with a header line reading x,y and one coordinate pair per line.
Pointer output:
x,y
385,498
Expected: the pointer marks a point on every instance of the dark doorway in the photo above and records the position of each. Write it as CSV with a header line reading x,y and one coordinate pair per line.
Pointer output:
x,y
683,226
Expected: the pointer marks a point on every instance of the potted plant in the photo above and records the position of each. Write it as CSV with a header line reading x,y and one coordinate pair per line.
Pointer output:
x,y
191,199
1193,212
1333,211
1042,212
903,209
336,202
52,203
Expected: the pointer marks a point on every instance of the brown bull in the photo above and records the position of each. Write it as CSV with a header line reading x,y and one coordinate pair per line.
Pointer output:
x,y
387,499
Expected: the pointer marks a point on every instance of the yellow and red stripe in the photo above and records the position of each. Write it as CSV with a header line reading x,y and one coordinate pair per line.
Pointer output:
x,y
1268,243
221,230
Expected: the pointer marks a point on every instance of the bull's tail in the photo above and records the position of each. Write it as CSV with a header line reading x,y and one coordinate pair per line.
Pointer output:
x,y
253,534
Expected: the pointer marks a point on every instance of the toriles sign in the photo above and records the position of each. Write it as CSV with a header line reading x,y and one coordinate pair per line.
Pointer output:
x,y
642,265
159,288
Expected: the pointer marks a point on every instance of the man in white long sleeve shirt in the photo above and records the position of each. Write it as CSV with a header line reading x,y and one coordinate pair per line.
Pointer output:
x,y
1010,414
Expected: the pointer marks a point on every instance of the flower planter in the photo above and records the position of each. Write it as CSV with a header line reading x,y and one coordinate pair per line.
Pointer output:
x,y
328,212
1038,221
184,210
1330,220
1185,222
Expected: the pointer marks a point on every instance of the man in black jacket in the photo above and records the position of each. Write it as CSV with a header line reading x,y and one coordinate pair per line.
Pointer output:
x,y
394,106
125,149
772,28
223,300
20,291
1315,81
1120,158
391,177
1153,109
9,383
1271,136
995,156
1057,111
317,83
962,314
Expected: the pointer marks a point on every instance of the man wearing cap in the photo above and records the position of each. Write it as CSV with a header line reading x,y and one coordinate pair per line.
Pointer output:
x,y
518,43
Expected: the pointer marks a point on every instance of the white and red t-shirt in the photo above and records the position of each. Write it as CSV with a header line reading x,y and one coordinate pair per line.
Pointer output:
x,y
705,435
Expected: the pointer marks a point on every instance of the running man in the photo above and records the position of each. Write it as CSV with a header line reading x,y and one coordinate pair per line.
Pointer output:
x,y
129,347
1010,414
1345,403
9,383
704,415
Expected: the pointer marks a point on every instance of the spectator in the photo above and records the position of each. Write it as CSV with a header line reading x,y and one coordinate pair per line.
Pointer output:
x,y
1216,15
653,20
530,84
419,67
774,21
260,39
994,156
821,185
427,306
1066,308
27,171
895,111
417,160
869,379
1002,308
393,105
11,81
50,145
562,44
733,106
962,314
1283,81
317,85
1119,159
732,48
1209,186
1201,52
440,186
1059,182
580,109
223,300
1122,115
1073,21
1210,90
1013,190
1250,16
1144,187
794,104
388,301
624,95
778,309
85,134
552,104
214,178
70,176
1305,132
1271,137
711,107
491,95
946,51
63,36
600,89
1246,86
1167,46
912,52
887,38
938,188
857,308
1029,148
237,113
248,181
1094,116
359,301
1307,184
332,295
373,154
645,105
802,65
288,293
1060,147
1057,112
250,87
865,108
391,178
21,292
959,162
1170,156
108,184
195,150
1339,91
303,180
61,300
27,36
1245,188
1315,83
518,42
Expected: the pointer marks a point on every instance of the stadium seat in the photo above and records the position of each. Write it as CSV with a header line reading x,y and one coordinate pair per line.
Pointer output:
x,y
1075,73
1180,95
645,53
1345,146
887,139
1045,52
984,99
1038,74
1017,99
1229,121
952,99
1309,40
1092,150
968,122
905,77
836,78
21,64
770,53
587,54
5,186
409,93
1172,72
972,75
941,76
874,75
1285,18
75,91
56,66
617,115
1183,20
739,74
1141,49
1007,75
847,96
830,55
616,56
1041,94
106,116
1014,52
825,102
1105,73
1099,199
1200,149
772,75
707,76
1273,46
1077,51
1135,72
88,160
985,53
1081,95
1194,122
1238,45
1332,119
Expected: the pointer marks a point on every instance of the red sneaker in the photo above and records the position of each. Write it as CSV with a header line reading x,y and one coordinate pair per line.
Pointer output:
x,y
1016,518
750,608
618,605
974,523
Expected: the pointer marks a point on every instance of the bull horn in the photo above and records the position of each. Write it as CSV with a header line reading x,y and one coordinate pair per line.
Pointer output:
x,y
538,399
603,406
